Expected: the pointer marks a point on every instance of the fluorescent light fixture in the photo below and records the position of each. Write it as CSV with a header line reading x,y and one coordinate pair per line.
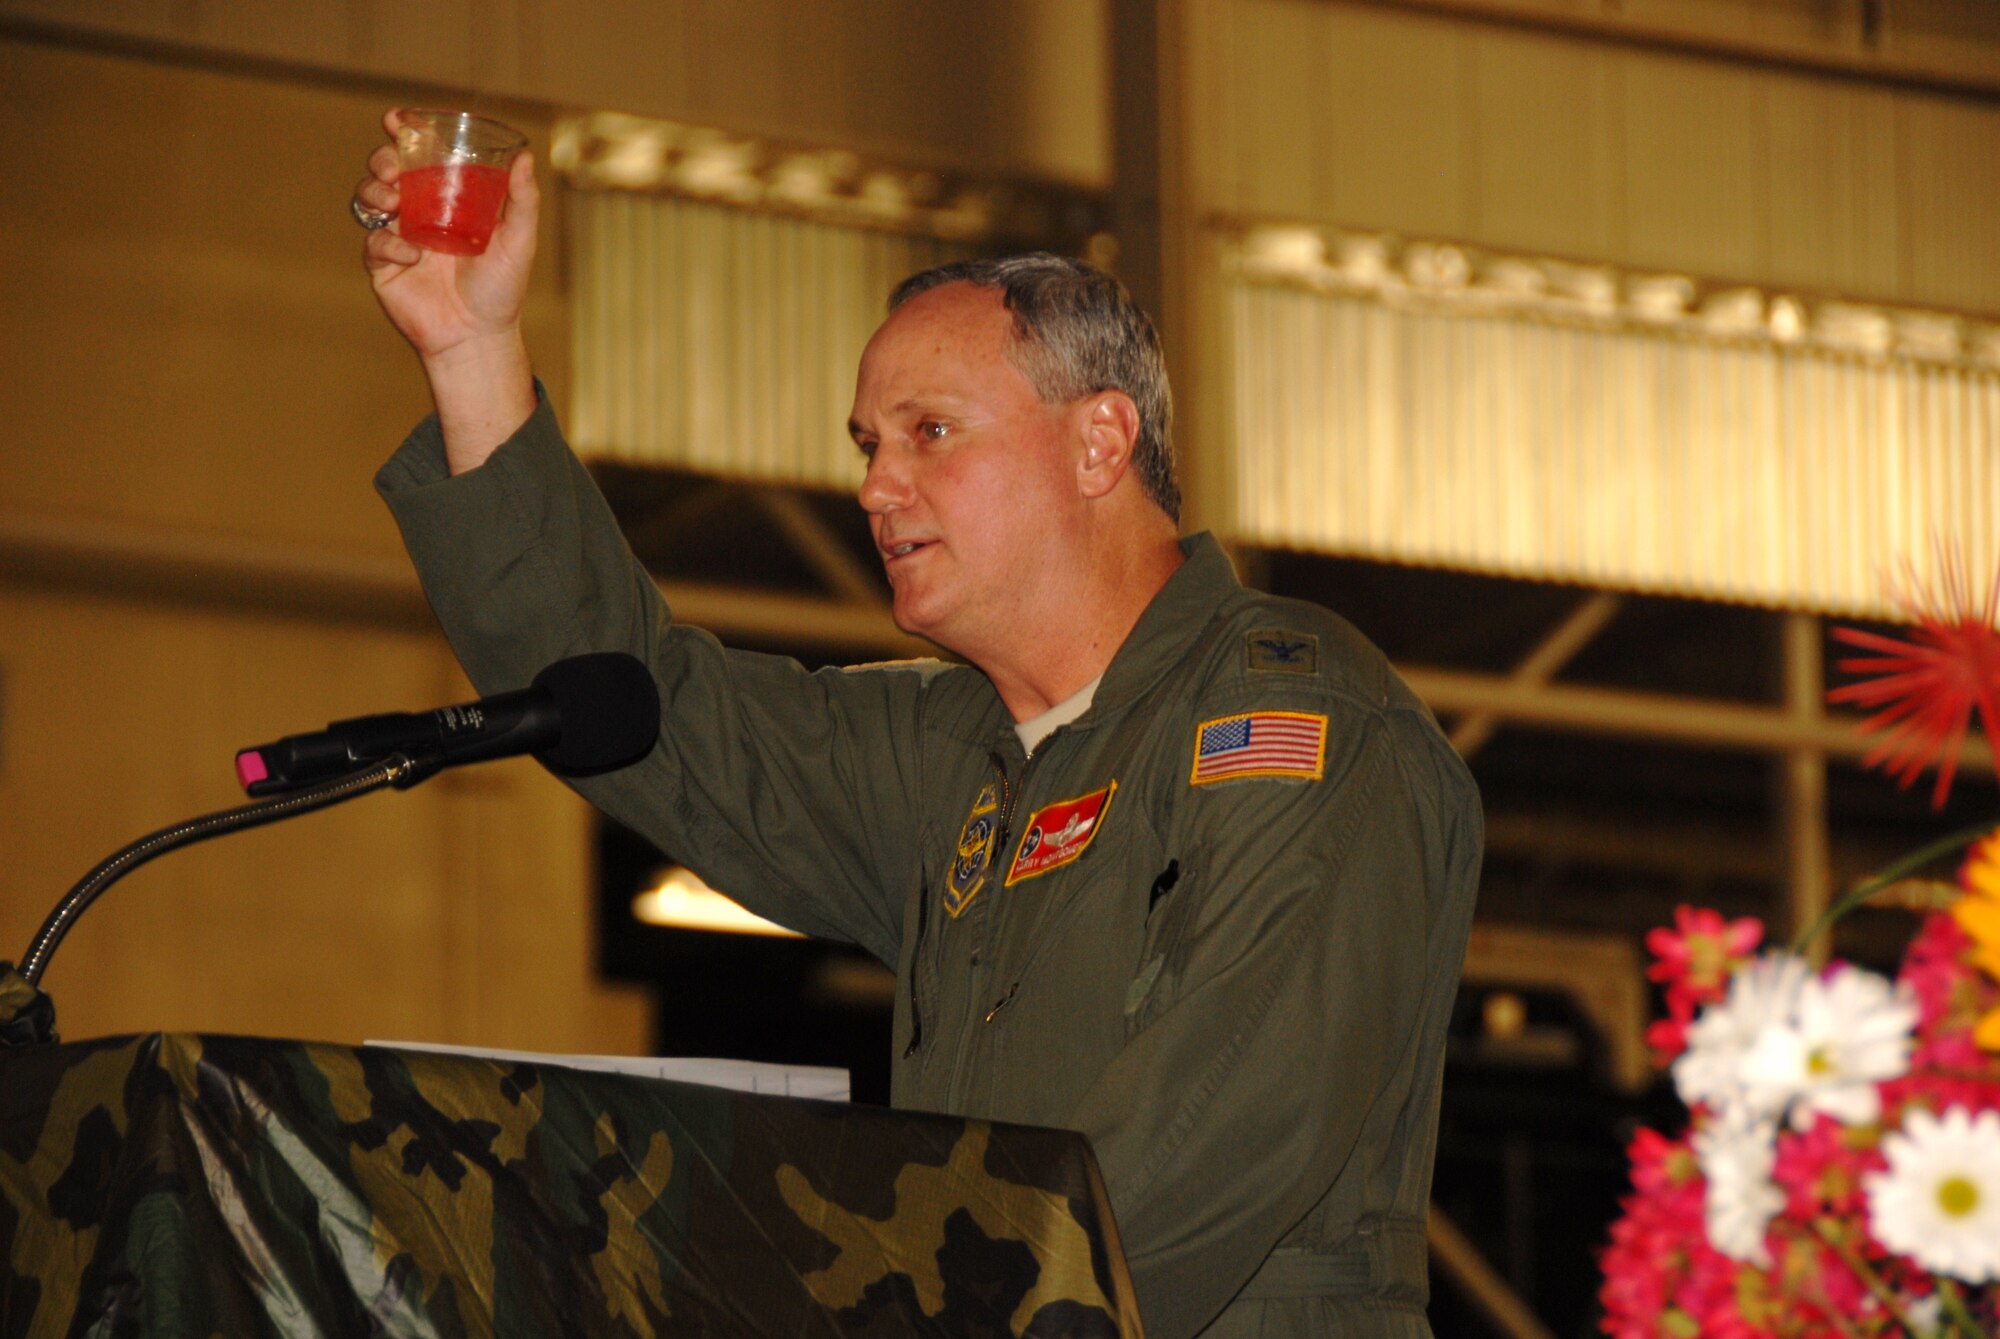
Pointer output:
x,y
682,901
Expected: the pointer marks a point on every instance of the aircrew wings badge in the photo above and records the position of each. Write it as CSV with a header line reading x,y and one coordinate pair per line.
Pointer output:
x,y
1260,743
1058,834
975,850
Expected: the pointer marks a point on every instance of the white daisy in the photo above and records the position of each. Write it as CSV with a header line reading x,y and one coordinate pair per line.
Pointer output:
x,y
1735,1156
1762,994
1849,1031
1939,1200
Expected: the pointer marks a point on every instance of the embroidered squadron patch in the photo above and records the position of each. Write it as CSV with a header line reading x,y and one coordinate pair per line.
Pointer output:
x,y
1275,652
975,850
1260,743
1059,833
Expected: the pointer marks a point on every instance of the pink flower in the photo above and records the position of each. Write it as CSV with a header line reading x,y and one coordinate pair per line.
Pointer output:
x,y
1818,1285
1935,1090
1666,1038
1647,1259
1934,967
1820,1169
1954,996
1695,961
1663,1166
1727,1300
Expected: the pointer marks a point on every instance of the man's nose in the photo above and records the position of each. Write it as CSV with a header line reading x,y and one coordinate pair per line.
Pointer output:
x,y
886,485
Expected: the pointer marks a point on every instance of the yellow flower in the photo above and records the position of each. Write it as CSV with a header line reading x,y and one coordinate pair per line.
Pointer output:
x,y
1981,871
1978,914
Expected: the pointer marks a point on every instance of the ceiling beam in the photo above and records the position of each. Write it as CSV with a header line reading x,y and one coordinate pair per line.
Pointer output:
x,y
1699,722
262,576
767,616
1862,58
815,541
1540,665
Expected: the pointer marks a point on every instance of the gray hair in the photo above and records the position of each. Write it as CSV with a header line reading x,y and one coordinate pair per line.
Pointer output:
x,y
1077,332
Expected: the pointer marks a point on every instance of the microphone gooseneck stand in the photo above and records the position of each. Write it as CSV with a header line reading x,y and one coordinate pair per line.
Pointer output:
x,y
34,1022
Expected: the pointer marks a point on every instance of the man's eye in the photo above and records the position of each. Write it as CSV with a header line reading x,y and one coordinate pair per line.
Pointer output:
x,y
931,430
866,447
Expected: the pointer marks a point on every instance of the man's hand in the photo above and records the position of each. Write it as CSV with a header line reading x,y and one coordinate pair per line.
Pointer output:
x,y
462,314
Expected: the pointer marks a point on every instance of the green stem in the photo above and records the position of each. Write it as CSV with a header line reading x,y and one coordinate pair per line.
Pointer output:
x,y
1955,1304
1866,1273
1876,882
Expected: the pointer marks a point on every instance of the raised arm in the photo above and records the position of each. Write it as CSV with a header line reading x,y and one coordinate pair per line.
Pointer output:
x,y
462,314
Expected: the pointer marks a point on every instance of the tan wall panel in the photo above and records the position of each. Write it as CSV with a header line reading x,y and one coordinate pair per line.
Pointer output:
x,y
299,30
467,43
194,352
766,66
1363,117
1395,97
1548,122
1952,178
1270,73
1834,208
1008,86
451,912
627,55
1951,34
205,348
1057,91
1695,171
1807,23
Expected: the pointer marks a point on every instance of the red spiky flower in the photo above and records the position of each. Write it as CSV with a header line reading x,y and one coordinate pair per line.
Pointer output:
x,y
1923,690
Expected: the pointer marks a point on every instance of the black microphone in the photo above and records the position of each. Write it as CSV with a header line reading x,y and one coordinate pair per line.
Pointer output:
x,y
587,714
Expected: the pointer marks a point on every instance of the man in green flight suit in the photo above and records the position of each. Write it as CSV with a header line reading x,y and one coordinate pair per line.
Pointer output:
x,y
1170,862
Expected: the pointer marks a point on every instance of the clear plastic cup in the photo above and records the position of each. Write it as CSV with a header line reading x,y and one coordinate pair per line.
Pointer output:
x,y
454,178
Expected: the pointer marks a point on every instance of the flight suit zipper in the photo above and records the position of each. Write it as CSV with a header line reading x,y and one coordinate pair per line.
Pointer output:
x,y
1010,800
1010,796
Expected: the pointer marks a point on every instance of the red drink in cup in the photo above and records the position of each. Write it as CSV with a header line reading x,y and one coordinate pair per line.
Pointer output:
x,y
454,178
452,208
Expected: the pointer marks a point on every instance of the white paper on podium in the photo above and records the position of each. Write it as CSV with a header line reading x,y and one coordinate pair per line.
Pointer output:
x,y
820,1082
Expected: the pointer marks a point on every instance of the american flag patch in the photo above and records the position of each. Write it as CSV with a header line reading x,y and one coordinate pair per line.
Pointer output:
x,y
1260,743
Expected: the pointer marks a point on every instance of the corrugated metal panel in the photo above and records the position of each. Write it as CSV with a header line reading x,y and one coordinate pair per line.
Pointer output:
x,y
725,340
1597,452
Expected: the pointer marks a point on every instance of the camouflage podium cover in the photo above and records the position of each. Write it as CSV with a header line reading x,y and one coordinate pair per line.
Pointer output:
x,y
202,1185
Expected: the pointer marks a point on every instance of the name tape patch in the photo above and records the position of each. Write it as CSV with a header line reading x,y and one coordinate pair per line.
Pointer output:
x,y
1058,834
1260,743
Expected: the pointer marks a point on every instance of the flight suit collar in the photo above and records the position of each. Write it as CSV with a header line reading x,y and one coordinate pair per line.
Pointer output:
x,y
1172,623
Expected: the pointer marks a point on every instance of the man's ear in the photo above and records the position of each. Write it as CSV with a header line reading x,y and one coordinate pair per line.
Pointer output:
x,y
1110,436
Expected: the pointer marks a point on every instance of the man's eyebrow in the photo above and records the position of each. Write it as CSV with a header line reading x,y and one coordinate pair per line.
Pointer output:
x,y
901,407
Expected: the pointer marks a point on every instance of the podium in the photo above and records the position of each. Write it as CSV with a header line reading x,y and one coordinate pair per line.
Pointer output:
x,y
175,1184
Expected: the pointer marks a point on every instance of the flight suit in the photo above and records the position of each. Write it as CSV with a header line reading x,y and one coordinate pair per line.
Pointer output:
x,y
1216,923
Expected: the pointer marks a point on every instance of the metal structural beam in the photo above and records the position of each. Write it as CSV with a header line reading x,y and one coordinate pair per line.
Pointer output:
x,y
1721,35
1462,1262
1540,665
1808,862
733,611
258,575
1698,722
832,561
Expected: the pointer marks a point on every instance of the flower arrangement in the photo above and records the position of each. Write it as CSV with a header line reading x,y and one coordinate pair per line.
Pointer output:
x,y
1840,1172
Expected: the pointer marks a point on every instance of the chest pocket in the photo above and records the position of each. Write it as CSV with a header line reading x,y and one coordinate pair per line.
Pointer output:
x,y
1063,941
1172,899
